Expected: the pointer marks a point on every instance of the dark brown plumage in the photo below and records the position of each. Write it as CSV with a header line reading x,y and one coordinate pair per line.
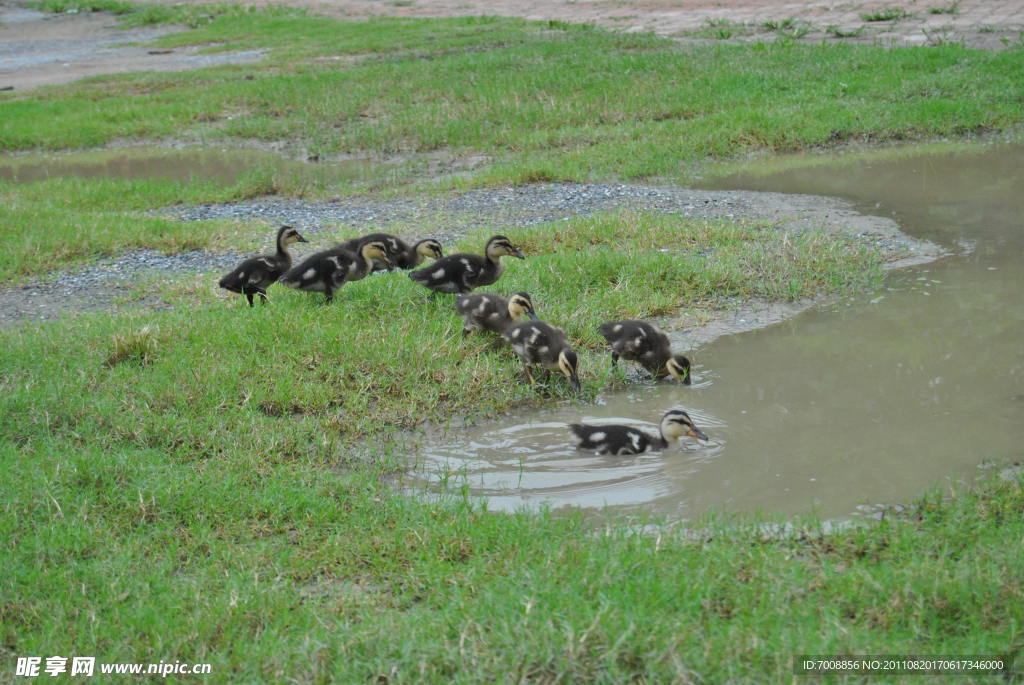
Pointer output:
x,y
329,270
490,312
626,440
256,274
541,343
403,255
648,346
461,273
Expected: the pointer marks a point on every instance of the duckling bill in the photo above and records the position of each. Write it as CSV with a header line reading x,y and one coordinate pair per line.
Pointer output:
x,y
648,346
256,274
626,440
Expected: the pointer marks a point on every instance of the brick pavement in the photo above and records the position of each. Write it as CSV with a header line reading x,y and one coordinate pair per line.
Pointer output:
x,y
990,24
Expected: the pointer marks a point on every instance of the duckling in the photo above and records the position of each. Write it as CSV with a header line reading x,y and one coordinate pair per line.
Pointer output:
x,y
460,273
487,311
541,343
647,345
329,270
402,254
256,274
625,440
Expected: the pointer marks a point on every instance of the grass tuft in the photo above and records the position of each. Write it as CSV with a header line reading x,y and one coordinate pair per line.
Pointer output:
x,y
951,8
888,14
839,32
138,347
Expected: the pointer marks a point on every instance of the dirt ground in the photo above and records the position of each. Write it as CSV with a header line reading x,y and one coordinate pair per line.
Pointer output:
x,y
39,49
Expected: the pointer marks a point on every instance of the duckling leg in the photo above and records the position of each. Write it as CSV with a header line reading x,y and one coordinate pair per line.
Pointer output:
x,y
248,295
615,358
529,376
263,295
328,294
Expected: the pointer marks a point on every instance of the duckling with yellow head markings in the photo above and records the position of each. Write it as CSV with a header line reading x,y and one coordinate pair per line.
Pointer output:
x,y
403,255
537,342
490,312
329,270
461,273
626,440
256,274
648,346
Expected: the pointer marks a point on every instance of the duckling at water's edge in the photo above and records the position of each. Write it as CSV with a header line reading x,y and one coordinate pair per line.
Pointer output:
x,y
625,440
256,274
648,346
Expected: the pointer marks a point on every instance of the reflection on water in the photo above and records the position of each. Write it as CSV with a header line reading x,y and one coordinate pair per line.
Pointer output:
x,y
870,399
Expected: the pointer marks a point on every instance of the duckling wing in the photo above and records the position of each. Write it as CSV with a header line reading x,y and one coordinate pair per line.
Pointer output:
x,y
534,342
455,273
253,272
618,440
318,270
484,310
636,340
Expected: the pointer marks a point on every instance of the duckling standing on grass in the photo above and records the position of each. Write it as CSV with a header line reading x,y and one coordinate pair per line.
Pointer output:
x,y
256,274
403,255
541,343
487,311
625,440
329,270
647,345
460,273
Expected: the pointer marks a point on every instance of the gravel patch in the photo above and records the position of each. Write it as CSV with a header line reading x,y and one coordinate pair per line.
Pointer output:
x,y
447,218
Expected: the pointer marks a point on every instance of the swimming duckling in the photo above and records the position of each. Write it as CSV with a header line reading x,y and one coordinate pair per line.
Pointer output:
x,y
460,273
487,311
329,270
647,345
402,254
256,274
541,343
624,440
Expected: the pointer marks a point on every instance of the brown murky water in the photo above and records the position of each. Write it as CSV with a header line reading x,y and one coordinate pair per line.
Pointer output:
x,y
865,401
224,165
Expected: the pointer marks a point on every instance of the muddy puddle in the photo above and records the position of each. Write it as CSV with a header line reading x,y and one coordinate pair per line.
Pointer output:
x,y
223,165
865,401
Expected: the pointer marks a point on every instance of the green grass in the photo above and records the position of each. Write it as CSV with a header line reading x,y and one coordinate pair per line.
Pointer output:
x,y
543,103
325,370
67,221
209,484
